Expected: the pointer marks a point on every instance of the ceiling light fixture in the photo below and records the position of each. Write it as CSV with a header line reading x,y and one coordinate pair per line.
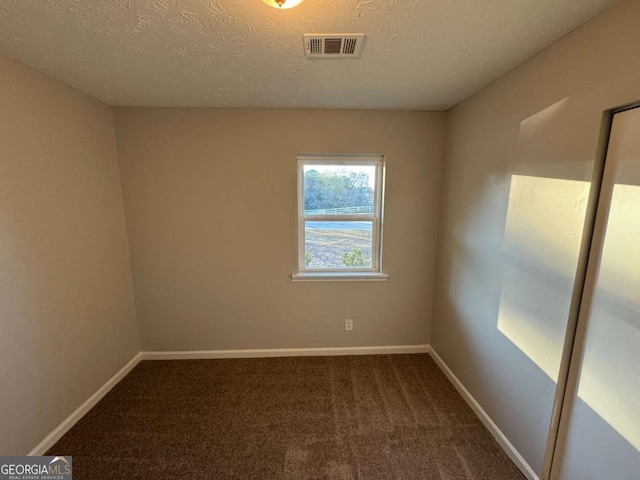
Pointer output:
x,y
283,3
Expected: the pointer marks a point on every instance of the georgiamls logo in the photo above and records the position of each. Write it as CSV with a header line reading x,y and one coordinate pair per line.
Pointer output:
x,y
36,468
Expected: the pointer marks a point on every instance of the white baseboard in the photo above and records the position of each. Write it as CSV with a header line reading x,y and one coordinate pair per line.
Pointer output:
x,y
81,411
285,352
500,437
72,419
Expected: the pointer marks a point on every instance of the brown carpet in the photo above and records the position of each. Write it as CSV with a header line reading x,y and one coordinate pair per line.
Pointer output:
x,y
361,417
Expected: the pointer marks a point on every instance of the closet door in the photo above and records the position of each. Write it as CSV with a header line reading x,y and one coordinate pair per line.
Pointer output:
x,y
599,436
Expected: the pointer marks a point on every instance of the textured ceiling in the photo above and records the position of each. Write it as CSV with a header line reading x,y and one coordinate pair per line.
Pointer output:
x,y
418,54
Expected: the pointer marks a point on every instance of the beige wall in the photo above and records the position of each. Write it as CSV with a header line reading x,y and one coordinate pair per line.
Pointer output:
x,y
519,158
210,201
66,304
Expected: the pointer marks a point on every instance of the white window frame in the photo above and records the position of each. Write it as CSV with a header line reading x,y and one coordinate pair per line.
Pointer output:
x,y
350,274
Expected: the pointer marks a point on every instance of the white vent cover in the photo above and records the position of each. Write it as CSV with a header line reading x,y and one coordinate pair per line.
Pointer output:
x,y
332,45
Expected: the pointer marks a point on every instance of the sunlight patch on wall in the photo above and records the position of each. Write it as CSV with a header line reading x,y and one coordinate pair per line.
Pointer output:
x,y
542,239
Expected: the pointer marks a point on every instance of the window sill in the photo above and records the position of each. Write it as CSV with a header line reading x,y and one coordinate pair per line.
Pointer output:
x,y
340,277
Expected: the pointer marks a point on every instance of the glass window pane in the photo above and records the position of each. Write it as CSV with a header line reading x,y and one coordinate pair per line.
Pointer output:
x,y
338,245
339,189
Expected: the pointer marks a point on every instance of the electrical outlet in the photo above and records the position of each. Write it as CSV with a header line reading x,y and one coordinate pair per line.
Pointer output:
x,y
348,324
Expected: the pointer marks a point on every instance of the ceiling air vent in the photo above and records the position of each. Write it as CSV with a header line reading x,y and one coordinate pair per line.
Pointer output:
x,y
333,45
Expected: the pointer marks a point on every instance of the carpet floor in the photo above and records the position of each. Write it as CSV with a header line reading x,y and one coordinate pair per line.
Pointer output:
x,y
360,417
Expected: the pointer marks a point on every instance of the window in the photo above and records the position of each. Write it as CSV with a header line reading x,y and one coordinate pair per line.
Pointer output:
x,y
340,206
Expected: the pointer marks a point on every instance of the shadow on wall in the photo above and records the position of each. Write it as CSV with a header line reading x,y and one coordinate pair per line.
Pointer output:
x,y
516,190
609,378
610,444
543,231
547,201
534,304
610,374
541,246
